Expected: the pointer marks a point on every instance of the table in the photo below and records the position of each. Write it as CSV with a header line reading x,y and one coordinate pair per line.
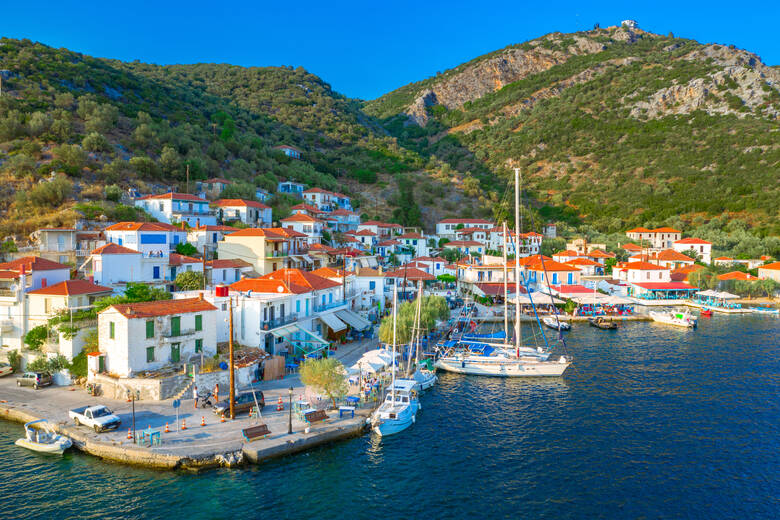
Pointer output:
x,y
352,400
343,409
291,368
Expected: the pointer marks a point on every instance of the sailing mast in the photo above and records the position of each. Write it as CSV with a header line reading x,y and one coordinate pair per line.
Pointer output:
x,y
395,312
506,291
517,256
414,340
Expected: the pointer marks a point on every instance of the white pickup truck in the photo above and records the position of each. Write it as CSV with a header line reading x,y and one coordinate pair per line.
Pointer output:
x,y
97,417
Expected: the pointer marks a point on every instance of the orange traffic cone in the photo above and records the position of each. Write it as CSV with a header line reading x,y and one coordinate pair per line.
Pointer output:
x,y
129,435
222,419
167,430
280,405
184,424
203,420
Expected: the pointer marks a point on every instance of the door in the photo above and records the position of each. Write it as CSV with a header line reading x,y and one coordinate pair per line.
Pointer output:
x,y
101,364
156,271
175,326
175,352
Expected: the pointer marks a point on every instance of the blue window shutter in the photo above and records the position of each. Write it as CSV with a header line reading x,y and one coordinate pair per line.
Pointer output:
x,y
156,271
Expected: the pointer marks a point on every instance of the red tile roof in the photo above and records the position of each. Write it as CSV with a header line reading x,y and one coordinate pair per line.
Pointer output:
x,y
231,203
416,236
674,256
161,308
364,233
550,265
632,247
216,180
30,264
224,229
463,243
173,196
302,278
142,226
318,190
265,286
464,221
177,259
666,230
598,253
582,262
737,275
300,217
639,230
71,288
329,272
114,249
257,232
287,147
410,273
692,241
233,263
287,232
774,266
642,266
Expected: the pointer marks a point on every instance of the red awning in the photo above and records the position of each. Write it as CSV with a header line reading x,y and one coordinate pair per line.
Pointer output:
x,y
666,286
497,289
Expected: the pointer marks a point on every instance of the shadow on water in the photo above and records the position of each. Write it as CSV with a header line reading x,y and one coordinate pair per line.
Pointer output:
x,y
652,422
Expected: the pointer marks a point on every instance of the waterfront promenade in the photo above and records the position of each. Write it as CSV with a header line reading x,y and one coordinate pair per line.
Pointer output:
x,y
198,446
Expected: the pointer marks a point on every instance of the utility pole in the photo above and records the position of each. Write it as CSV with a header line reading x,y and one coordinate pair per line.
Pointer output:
x,y
230,343
205,252
344,277
188,179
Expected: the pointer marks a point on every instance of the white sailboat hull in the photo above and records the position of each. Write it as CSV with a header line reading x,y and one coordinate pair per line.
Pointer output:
x,y
668,319
391,420
503,367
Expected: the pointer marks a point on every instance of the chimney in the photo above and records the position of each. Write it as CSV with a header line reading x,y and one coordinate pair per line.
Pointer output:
x,y
200,296
91,278
43,283
381,270
197,222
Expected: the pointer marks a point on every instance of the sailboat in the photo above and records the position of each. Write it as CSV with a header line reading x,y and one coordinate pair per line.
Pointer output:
x,y
399,410
422,375
508,360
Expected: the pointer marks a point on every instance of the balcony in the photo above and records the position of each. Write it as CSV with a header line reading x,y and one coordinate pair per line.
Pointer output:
x,y
7,293
277,254
279,322
169,334
327,306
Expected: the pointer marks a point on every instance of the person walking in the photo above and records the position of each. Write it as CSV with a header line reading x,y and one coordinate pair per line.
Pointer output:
x,y
216,392
195,395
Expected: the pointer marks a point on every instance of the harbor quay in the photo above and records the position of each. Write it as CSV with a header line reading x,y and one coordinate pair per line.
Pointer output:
x,y
217,444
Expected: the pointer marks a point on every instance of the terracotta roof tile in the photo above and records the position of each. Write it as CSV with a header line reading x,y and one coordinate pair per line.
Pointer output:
x,y
228,203
31,263
114,249
71,288
162,308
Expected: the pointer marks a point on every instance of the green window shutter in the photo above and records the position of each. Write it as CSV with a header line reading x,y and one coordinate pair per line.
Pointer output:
x,y
149,329
175,353
111,329
175,326
149,354
198,346
198,322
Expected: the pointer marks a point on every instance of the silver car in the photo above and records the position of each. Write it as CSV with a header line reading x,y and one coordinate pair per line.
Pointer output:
x,y
34,379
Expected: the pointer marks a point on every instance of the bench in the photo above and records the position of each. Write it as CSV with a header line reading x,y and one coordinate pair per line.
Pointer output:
x,y
315,416
255,432
346,409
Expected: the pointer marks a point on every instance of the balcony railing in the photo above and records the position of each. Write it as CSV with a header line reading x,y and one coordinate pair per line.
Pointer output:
x,y
279,322
179,333
7,293
277,254
326,306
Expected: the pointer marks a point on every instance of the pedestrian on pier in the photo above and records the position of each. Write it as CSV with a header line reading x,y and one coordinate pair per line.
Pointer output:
x,y
216,392
195,395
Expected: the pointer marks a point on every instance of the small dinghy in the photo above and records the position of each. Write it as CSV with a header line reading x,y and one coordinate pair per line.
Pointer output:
x,y
601,323
706,312
43,439
554,323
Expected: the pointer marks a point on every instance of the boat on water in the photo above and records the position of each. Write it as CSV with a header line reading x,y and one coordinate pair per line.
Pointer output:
x,y
766,310
600,323
706,312
399,409
556,324
425,375
679,319
43,439
483,358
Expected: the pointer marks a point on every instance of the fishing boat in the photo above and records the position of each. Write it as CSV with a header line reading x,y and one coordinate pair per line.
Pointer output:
x,y
766,310
43,438
556,324
679,319
506,359
400,407
600,323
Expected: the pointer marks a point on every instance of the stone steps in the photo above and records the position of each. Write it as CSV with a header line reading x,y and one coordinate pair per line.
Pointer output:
x,y
187,387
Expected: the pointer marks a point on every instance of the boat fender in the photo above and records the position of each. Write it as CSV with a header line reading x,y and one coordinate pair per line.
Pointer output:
x,y
562,359
414,419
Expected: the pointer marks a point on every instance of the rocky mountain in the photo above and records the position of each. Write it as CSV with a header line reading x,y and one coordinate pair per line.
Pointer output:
x,y
612,126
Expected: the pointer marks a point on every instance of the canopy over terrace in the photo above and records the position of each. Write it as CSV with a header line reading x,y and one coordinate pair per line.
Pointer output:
x,y
662,290
542,299
310,344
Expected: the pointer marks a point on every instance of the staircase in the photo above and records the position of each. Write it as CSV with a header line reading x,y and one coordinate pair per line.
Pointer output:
x,y
184,389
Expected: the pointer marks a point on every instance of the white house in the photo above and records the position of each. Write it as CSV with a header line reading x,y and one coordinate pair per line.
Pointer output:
x,y
114,265
666,258
414,242
227,271
207,237
372,289
638,272
148,238
366,238
346,220
770,271
249,212
342,201
321,199
305,224
136,337
214,187
386,248
699,246
659,238
383,229
446,228
466,247
178,207
289,151
291,188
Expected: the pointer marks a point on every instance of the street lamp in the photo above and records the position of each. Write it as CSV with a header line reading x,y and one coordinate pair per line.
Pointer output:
x,y
289,423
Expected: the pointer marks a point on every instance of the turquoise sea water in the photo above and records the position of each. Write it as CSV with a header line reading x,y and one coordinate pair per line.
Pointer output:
x,y
652,422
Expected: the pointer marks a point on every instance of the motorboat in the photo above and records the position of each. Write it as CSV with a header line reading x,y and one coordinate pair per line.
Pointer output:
x,y
679,319
399,409
501,365
766,310
706,312
601,323
555,323
424,376
43,439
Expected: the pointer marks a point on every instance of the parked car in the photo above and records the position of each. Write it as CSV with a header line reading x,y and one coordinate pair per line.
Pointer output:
x,y
97,417
244,402
6,369
34,379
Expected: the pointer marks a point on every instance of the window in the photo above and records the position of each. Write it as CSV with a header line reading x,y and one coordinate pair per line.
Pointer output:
x,y
149,354
149,329
330,298
198,346
570,279
198,322
156,271
372,285
298,306
175,326
224,275
111,329
307,307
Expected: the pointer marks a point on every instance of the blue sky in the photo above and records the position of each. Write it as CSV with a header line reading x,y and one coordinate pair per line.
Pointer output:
x,y
363,50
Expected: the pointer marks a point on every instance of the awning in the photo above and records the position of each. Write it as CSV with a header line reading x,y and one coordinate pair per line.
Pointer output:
x,y
333,322
287,330
355,320
307,259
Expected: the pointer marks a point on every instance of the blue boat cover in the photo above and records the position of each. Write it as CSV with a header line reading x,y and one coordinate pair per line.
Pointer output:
x,y
494,335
